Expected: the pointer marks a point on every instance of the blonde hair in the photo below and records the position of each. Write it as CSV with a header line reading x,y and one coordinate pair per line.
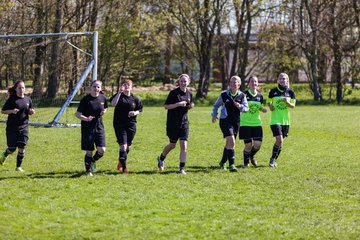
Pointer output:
x,y
285,76
184,75
237,78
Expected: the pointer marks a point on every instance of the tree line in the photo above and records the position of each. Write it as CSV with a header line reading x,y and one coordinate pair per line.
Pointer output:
x,y
155,40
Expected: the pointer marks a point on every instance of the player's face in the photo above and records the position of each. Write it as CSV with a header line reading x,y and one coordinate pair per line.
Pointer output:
x,y
234,84
183,82
126,87
20,89
95,88
283,80
253,83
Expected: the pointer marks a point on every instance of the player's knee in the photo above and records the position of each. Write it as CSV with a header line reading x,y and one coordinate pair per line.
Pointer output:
x,y
257,145
172,145
21,150
279,141
248,145
10,150
230,145
101,150
123,147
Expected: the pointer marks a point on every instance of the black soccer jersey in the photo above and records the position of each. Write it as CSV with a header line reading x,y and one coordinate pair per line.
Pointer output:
x,y
20,120
177,117
233,113
93,106
124,106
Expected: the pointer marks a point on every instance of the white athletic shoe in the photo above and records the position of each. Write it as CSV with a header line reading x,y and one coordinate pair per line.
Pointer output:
x,y
182,172
272,162
19,169
253,161
160,165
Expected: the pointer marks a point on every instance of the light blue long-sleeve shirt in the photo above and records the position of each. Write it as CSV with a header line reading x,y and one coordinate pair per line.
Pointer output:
x,y
223,113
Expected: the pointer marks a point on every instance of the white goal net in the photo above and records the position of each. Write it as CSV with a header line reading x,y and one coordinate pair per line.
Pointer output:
x,y
57,68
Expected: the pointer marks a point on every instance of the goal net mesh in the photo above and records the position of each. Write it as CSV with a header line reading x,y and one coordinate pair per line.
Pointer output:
x,y
51,67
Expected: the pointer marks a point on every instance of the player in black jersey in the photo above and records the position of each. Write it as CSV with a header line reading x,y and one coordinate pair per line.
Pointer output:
x,y
91,109
178,102
233,101
18,107
127,107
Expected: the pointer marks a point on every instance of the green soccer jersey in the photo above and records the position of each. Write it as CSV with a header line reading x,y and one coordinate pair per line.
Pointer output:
x,y
281,114
252,117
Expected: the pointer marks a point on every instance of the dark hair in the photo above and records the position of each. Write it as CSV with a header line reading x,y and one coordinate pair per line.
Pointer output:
x,y
12,90
92,83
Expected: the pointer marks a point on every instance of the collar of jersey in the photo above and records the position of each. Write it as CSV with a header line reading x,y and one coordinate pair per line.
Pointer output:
x,y
232,94
280,89
251,93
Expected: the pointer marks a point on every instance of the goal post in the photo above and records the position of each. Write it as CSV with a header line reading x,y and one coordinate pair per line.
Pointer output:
x,y
72,94
90,66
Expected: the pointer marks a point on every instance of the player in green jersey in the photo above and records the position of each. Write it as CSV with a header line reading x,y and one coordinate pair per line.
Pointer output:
x,y
281,99
250,122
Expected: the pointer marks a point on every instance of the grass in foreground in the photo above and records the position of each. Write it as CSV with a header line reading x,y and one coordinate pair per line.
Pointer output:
x,y
313,194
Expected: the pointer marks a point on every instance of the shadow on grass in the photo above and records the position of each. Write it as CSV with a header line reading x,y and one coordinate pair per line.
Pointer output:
x,y
251,167
78,174
41,175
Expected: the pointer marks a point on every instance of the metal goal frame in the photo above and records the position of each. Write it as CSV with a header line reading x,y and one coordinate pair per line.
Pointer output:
x,y
92,65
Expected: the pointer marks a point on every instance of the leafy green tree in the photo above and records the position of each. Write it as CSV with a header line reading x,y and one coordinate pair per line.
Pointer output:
x,y
310,19
55,52
245,12
129,41
341,18
197,22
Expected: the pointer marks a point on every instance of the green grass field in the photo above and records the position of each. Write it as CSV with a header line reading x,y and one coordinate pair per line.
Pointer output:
x,y
313,194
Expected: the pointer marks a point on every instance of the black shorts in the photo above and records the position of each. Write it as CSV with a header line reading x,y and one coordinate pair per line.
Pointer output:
x,y
228,128
278,130
89,138
125,133
248,134
17,138
177,133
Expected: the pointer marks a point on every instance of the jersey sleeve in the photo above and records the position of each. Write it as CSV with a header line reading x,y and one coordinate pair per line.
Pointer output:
x,y
112,97
216,106
271,95
292,97
30,103
139,106
105,103
171,99
9,104
262,102
244,107
82,105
